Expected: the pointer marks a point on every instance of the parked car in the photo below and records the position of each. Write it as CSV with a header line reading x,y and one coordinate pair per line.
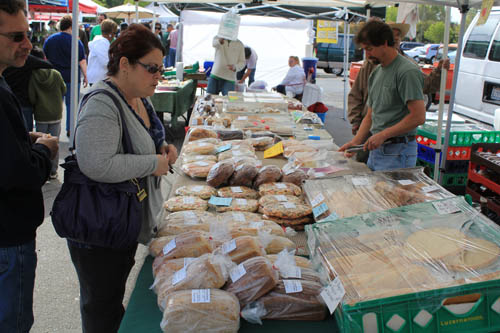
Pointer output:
x,y
405,46
415,52
430,53
331,55
451,48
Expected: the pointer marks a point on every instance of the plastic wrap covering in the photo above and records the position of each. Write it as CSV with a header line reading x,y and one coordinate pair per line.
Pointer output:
x,y
199,147
238,144
262,143
234,134
241,248
285,304
299,261
293,175
267,174
286,264
243,151
186,221
176,204
242,192
201,191
198,158
219,173
239,205
406,250
197,133
168,266
242,160
352,195
274,199
244,174
286,210
217,313
252,228
197,169
279,189
207,271
296,224
189,217
252,279
187,244
237,217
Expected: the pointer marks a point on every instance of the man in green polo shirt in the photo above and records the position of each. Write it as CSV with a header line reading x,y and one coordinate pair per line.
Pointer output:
x,y
395,102
96,31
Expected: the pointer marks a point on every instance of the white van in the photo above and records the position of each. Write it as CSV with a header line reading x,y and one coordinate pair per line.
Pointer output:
x,y
478,85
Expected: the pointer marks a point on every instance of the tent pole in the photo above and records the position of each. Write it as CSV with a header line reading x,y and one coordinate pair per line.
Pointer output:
x,y
180,39
464,8
346,58
442,92
136,11
153,29
74,71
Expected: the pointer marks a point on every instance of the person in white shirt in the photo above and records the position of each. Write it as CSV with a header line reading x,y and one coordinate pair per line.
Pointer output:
x,y
295,79
229,59
98,58
250,66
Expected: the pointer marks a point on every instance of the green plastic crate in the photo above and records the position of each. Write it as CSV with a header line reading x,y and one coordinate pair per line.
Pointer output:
x,y
429,166
455,179
195,69
460,134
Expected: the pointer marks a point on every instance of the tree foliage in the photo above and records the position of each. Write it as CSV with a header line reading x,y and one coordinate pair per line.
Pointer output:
x,y
435,32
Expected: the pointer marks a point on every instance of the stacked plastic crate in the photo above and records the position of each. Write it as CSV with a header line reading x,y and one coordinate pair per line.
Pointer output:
x,y
458,155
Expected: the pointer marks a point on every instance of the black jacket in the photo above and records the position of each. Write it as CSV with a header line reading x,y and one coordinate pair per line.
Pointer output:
x,y
24,169
18,79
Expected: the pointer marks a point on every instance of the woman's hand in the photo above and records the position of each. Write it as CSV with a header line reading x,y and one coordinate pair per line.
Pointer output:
x,y
163,165
171,151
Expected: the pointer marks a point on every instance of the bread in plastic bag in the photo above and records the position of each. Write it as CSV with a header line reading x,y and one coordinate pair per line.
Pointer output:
x,y
199,148
236,217
197,169
262,143
198,158
176,204
241,248
201,191
227,134
239,205
288,269
275,199
187,244
236,153
296,177
237,228
168,266
275,244
197,133
299,261
254,278
190,222
241,160
220,315
295,224
243,175
219,173
286,210
279,188
267,174
241,192
189,216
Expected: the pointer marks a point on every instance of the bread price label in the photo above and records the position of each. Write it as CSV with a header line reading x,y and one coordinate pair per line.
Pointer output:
x,y
201,163
218,201
179,276
189,214
289,171
239,217
281,186
317,200
242,118
406,182
197,188
236,189
228,246
319,210
333,294
256,225
428,189
188,200
319,174
200,296
187,261
280,197
242,202
289,205
446,207
223,148
237,272
292,286
360,181
169,247
202,144
290,271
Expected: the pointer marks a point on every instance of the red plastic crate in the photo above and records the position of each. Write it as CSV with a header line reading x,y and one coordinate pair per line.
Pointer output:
x,y
477,178
458,153
425,141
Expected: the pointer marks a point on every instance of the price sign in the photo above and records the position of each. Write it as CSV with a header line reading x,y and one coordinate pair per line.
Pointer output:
x,y
228,246
289,205
274,151
169,247
446,207
406,182
218,201
179,276
200,296
280,198
236,189
318,210
317,199
333,294
223,148
292,286
431,188
237,272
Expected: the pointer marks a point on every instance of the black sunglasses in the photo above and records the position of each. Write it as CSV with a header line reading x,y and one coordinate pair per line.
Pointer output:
x,y
17,37
158,28
153,69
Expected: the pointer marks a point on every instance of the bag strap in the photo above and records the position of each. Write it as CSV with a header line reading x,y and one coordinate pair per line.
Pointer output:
x,y
127,143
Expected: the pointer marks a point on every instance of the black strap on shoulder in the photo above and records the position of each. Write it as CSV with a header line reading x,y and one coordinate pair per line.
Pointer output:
x,y
127,143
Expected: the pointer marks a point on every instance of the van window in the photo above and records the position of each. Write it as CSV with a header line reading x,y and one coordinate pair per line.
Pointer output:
x,y
495,48
480,37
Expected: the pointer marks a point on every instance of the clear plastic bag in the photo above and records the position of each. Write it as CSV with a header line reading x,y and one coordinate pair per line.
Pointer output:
x,y
198,169
219,173
241,248
198,158
240,205
199,147
237,217
275,244
197,133
180,203
189,222
201,191
236,153
241,192
279,189
187,244
267,174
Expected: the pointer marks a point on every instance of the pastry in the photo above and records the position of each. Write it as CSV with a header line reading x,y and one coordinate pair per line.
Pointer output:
x,y
241,192
176,204
200,191
241,205
198,169
267,174
197,133
279,188
219,173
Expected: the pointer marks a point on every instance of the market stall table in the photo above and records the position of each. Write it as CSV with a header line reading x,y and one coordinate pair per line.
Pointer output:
x,y
176,102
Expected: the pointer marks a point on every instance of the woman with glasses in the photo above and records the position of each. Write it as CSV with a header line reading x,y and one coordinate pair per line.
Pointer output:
x,y
134,68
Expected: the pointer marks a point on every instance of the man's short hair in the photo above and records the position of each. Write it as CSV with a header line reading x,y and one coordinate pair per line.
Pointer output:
x,y
105,16
170,26
37,52
376,33
65,23
12,7
248,52
51,22
108,27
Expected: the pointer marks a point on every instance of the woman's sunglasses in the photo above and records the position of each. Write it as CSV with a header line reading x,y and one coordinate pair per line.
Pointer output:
x,y
17,37
153,69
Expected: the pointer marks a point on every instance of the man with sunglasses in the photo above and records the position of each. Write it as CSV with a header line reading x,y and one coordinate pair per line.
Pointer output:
x,y
25,169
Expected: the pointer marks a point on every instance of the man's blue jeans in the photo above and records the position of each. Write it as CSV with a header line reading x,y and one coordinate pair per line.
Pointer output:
x,y
171,57
393,156
17,280
67,101
215,86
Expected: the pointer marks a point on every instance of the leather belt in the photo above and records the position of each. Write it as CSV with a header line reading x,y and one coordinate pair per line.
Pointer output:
x,y
400,139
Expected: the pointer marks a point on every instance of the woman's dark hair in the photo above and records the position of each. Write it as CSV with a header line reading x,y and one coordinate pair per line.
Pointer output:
x,y
133,44
375,33
12,7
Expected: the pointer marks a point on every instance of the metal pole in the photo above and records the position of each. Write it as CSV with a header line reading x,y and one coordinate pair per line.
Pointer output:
x,y
180,40
74,70
346,50
153,29
442,92
463,10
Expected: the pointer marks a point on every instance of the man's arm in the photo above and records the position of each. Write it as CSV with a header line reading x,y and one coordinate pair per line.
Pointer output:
x,y
362,135
83,66
247,74
356,102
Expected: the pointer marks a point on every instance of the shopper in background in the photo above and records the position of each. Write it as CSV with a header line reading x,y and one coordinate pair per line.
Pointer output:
x,y
52,27
83,38
96,31
166,43
57,48
295,78
229,59
173,38
250,67
99,47
123,27
24,169
134,68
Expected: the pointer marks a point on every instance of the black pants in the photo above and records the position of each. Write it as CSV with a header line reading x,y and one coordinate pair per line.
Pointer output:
x,y
102,274
281,89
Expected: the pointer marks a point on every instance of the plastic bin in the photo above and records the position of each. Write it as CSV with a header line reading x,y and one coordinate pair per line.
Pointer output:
x,y
207,65
322,116
308,63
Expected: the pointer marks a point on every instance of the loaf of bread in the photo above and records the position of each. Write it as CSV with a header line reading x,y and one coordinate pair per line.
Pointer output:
x,y
276,199
253,278
228,134
276,244
219,173
200,191
198,169
236,217
221,314
167,266
177,204
189,223
198,158
241,192
187,244
243,175
301,273
279,189
190,217
296,224
241,160
262,143
299,261
197,133
199,148
240,205
295,177
237,229
236,153
242,248
267,174
286,210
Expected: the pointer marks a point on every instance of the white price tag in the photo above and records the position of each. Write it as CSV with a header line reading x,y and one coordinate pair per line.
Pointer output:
x,y
281,186
289,205
239,217
289,171
333,294
360,181
290,271
446,207
237,272
189,215
228,246
202,144
236,189
200,296
242,202
242,118
256,225
197,188
201,163
319,174
292,286
237,153
187,261
188,200
169,247
280,197
406,182
179,276
431,188
317,200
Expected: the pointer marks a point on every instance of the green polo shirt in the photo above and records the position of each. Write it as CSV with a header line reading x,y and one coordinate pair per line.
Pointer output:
x,y
96,31
390,88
